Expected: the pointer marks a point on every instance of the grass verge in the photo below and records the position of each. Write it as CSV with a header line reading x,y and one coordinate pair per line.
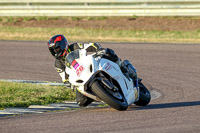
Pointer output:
x,y
81,34
14,94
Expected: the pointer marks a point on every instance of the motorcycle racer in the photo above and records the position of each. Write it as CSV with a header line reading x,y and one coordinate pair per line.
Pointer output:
x,y
59,47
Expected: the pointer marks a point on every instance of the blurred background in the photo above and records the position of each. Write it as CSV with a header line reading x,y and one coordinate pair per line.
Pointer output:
x,y
101,20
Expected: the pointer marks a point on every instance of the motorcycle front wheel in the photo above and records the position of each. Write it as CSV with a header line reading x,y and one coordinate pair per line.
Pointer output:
x,y
115,99
144,95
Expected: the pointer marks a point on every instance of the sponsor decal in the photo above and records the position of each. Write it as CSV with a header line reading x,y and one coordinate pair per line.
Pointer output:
x,y
108,66
79,68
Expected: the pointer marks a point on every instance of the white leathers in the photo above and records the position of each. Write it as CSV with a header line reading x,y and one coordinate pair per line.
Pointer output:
x,y
62,75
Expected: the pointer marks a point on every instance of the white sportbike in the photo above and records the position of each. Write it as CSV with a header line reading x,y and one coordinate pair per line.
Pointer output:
x,y
102,80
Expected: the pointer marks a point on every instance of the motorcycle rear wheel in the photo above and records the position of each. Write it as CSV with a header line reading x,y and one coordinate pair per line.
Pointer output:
x,y
111,100
144,95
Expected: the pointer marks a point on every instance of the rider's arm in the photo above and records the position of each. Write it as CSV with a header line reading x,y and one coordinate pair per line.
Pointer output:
x,y
92,47
60,68
89,47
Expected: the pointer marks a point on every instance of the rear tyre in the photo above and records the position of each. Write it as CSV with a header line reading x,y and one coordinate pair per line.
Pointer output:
x,y
117,102
144,95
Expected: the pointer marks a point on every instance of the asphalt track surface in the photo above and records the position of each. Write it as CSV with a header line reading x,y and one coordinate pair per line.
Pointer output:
x,y
171,69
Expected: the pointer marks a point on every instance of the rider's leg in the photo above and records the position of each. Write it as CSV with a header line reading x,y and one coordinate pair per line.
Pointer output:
x,y
122,66
131,71
110,54
82,100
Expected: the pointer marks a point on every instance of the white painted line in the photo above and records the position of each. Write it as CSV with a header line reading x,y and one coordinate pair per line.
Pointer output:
x,y
154,94
33,82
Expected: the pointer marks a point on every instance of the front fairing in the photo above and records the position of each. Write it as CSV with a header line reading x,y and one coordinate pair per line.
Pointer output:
x,y
83,68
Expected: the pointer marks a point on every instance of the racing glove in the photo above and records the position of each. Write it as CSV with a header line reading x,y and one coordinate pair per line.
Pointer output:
x,y
67,83
101,51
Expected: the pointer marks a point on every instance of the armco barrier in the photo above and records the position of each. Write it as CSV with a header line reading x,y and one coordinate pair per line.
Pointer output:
x,y
99,7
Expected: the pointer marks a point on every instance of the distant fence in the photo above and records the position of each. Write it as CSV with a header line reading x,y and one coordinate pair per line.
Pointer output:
x,y
99,7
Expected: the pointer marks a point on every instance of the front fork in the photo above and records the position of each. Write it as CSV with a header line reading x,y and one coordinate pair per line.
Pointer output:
x,y
138,89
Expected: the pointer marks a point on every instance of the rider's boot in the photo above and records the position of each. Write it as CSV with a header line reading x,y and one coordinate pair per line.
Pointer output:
x,y
82,100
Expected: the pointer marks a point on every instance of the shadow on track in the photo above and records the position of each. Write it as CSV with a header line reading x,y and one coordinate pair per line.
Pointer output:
x,y
166,105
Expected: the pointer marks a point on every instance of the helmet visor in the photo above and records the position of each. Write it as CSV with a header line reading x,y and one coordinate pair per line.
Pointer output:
x,y
55,51
58,51
52,51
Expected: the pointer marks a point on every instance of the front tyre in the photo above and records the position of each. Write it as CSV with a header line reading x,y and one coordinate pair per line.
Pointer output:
x,y
117,102
144,95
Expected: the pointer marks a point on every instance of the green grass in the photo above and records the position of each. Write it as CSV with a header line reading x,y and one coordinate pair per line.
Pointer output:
x,y
81,34
89,34
24,94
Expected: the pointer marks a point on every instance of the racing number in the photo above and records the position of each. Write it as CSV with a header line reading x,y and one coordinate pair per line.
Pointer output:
x,y
79,70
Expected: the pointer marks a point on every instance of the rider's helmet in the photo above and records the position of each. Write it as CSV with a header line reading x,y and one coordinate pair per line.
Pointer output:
x,y
58,46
